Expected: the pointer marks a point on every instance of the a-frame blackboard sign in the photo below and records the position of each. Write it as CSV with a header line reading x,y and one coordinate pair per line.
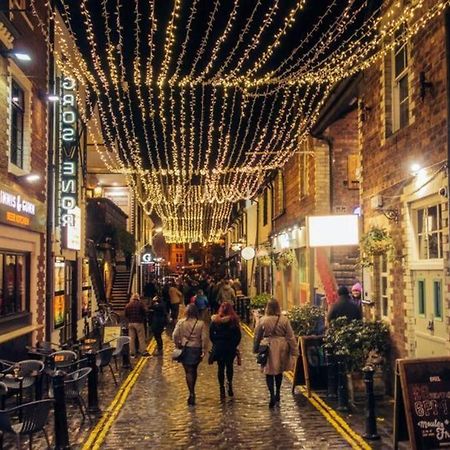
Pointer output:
x,y
310,368
422,403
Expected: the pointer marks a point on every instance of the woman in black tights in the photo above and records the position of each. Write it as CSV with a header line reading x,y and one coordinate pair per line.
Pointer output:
x,y
192,335
225,335
275,329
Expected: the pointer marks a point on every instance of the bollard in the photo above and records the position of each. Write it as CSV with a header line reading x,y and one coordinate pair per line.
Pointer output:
x,y
342,390
247,310
92,383
126,363
61,428
371,419
331,376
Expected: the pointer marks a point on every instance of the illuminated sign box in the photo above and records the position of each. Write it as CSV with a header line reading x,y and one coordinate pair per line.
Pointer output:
x,y
330,231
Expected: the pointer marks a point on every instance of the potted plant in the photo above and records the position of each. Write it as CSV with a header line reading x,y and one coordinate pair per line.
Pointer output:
x,y
359,343
306,320
259,301
377,241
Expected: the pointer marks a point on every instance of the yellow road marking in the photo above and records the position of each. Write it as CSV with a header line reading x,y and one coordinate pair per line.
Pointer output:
x,y
98,434
356,441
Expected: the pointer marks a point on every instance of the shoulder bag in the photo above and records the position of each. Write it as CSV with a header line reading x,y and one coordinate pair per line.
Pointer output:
x,y
263,351
178,353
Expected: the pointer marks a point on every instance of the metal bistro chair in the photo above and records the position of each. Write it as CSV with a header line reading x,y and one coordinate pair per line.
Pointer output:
x,y
65,360
25,419
121,343
23,375
3,395
73,388
104,358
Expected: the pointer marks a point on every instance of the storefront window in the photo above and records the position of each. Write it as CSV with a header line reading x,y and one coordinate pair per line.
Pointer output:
x,y
12,283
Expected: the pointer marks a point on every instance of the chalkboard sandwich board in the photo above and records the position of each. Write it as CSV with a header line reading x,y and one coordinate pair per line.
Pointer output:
x,y
310,368
425,388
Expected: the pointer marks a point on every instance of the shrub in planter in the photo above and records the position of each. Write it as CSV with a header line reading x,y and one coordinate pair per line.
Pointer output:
x,y
356,341
306,319
260,301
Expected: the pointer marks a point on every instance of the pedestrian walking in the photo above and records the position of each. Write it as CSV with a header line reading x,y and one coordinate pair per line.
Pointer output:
x,y
274,330
175,297
192,334
201,302
158,322
226,293
136,315
344,307
225,335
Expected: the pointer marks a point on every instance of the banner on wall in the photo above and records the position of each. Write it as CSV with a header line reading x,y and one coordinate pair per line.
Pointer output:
x,y
59,300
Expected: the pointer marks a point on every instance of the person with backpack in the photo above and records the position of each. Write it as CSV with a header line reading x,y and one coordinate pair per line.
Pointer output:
x,y
201,302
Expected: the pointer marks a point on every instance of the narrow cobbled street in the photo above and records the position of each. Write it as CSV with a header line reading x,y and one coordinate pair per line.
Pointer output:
x,y
156,415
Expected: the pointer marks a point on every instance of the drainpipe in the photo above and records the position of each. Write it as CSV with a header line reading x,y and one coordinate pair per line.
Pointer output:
x,y
51,128
447,60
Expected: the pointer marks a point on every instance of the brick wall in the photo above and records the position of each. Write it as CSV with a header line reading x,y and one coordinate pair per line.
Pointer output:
x,y
386,158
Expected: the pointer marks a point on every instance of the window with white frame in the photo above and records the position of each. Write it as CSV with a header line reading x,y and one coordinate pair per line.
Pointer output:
x,y
400,82
429,231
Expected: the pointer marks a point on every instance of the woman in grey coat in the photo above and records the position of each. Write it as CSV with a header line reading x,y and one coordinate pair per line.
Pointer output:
x,y
275,330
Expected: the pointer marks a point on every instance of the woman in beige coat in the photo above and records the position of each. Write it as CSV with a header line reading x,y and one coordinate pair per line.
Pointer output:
x,y
275,330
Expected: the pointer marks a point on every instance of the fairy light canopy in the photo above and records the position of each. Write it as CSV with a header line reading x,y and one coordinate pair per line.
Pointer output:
x,y
200,100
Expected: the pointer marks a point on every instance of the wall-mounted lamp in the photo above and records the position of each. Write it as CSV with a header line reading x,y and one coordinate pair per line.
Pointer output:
x,y
53,98
29,178
424,85
158,230
20,56
415,169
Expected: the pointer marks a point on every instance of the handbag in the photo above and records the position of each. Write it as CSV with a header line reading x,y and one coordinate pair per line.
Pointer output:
x,y
178,353
212,355
263,350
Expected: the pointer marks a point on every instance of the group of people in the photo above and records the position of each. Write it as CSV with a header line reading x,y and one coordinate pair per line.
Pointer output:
x,y
196,333
193,335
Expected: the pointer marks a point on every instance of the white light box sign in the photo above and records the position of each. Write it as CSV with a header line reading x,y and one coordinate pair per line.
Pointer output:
x,y
330,231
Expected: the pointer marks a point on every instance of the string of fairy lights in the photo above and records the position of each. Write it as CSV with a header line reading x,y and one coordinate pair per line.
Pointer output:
x,y
208,104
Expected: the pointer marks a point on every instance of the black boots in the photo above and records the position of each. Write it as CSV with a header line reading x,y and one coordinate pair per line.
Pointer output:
x,y
191,400
222,392
230,390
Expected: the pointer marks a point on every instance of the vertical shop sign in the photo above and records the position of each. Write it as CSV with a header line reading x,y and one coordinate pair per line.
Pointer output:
x,y
59,301
69,219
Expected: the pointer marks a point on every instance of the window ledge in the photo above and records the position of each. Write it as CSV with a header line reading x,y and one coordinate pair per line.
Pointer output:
x,y
16,170
19,332
427,264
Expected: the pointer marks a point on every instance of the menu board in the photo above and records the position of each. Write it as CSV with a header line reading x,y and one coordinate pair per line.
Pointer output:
x,y
311,368
425,385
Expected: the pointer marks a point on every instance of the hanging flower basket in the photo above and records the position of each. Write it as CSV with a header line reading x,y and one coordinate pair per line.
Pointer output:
x,y
285,259
377,241
264,261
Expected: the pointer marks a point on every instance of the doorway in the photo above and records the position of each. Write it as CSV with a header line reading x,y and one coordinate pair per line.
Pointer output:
x,y
430,314
69,330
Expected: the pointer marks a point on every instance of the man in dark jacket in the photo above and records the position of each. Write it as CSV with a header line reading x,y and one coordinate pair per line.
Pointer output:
x,y
344,307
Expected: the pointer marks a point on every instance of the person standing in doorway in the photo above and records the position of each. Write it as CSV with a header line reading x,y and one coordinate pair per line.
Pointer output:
x,y
225,335
192,334
276,330
344,307
356,294
136,315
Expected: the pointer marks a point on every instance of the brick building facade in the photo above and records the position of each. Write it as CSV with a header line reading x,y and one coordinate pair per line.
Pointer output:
x,y
23,150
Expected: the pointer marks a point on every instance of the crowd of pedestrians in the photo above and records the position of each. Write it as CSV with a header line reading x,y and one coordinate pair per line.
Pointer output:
x,y
210,330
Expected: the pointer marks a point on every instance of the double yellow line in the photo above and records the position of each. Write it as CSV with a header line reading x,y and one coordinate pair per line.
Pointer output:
x,y
98,434
356,441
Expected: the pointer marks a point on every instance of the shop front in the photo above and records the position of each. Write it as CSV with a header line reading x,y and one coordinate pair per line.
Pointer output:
x,y
22,290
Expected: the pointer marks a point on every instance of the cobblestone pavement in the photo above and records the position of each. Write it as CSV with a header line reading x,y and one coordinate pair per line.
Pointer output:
x,y
156,415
